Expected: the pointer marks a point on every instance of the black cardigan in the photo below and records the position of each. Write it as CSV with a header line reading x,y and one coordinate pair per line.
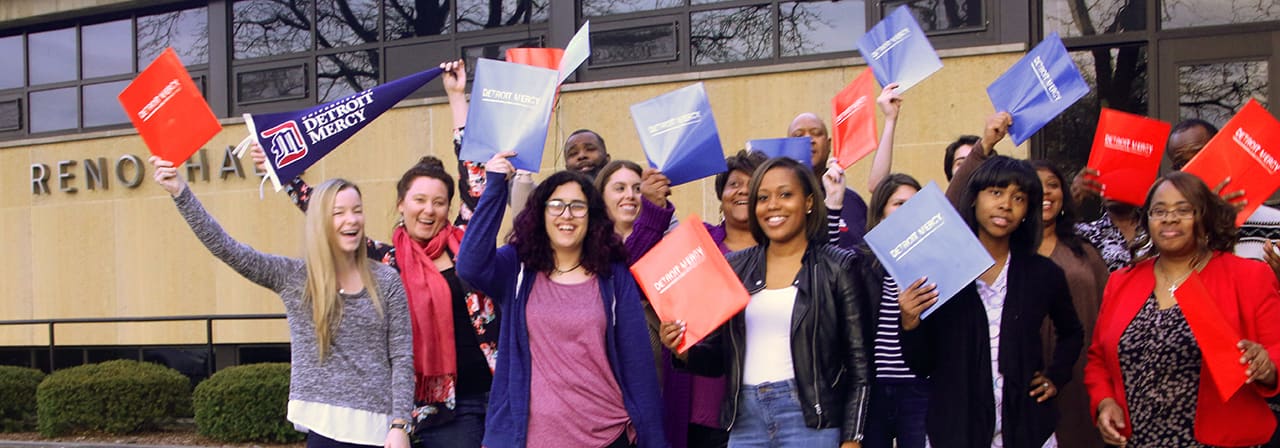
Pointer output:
x,y
952,347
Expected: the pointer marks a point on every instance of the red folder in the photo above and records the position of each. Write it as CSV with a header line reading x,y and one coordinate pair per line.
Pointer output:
x,y
853,116
538,57
1216,338
1127,149
168,111
685,277
1248,150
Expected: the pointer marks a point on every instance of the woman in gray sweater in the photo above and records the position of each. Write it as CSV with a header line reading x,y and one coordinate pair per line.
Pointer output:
x,y
352,358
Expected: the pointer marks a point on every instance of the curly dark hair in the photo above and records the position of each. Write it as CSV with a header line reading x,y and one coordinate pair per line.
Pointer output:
x,y
1064,225
815,228
744,161
949,157
884,191
1215,218
427,166
1001,172
601,247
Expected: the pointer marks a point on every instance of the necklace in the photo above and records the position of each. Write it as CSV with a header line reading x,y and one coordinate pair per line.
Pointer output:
x,y
1173,286
557,269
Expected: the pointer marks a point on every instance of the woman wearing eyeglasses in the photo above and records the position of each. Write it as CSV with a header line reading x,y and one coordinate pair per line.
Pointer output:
x,y
577,368
1147,383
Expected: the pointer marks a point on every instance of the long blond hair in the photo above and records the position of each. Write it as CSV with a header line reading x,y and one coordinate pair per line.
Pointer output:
x,y
321,250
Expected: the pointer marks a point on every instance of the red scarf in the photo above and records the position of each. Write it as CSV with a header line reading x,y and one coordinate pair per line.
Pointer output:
x,y
430,308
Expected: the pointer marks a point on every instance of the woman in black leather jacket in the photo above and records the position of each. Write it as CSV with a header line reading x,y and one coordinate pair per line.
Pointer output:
x,y
803,304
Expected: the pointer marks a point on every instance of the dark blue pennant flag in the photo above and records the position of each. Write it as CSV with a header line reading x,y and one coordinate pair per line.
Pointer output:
x,y
925,237
898,50
510,111
799,149
679,134
293,141
1040,86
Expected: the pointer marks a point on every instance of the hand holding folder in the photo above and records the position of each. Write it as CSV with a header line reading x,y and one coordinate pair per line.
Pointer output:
x,y
1246,150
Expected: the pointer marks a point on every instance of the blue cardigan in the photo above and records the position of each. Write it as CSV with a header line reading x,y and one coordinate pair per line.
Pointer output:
x,y
501,276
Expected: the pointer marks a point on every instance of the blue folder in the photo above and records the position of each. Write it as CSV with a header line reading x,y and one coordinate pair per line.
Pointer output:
x,y
678,134
798,148
1040,86
510,110
925,237
897,50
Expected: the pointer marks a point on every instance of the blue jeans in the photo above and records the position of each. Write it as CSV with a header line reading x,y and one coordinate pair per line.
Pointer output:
x,y
466,430
897,411
769,415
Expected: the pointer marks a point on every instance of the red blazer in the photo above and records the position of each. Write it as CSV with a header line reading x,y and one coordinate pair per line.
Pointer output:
x,y
1247,293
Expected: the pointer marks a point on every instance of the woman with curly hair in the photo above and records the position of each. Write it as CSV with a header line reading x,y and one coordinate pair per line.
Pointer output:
x,y
573,329
1145,370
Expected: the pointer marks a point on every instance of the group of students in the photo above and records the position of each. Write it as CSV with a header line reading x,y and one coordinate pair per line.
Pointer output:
x,y
546,340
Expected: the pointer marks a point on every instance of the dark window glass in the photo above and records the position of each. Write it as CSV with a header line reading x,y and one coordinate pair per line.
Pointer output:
x,y
942,15
596,8
97,355
16,357
414,18
271,84
1117,79
11,115
270,27
67,357
496,50
101,107
342,23
12,70
54,110
731,35
191,362
254,355
107,48
53,56
1074,18
634,45
1188,13
1214,92
480,14
186,31
342,74
821,27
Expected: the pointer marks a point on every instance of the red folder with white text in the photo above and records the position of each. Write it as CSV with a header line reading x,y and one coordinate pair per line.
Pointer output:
x,y
1247,149
168,110
685,277
853,120
1126,152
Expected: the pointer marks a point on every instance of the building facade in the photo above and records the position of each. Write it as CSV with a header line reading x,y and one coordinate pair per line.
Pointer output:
x,y
88,236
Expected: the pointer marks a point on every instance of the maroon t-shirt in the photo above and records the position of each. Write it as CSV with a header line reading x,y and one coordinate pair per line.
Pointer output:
x,y
574,399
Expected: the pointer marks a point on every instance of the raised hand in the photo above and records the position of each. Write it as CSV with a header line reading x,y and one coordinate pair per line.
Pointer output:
x,y
167,176
655,186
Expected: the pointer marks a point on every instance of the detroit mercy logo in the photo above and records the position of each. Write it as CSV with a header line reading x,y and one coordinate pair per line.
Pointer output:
x,y
287,145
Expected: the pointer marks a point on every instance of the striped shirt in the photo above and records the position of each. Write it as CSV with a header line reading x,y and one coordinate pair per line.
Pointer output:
x,y
889,363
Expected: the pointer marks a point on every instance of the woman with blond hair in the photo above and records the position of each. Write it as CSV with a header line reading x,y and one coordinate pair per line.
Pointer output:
x,y
352,379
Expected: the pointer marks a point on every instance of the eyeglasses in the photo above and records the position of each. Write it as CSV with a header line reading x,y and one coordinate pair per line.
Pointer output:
x,y
1177,213
556,207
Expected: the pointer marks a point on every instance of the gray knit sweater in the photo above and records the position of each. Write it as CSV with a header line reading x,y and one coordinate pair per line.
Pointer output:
x,y
370,364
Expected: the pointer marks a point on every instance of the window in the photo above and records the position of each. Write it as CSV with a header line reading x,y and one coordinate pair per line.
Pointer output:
x,y
1191,13
107,48
13,71
53,56
943,16
186,31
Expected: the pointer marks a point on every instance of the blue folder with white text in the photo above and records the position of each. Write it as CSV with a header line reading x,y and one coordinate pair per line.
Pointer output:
x,y
510,110
679,134
799,149
925,237
1041,85
897,50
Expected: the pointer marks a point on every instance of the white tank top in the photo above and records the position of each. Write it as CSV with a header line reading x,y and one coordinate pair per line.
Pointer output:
x,y
768,316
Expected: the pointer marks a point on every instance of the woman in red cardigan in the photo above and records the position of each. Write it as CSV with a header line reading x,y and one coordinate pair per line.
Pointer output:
x,y
1145,378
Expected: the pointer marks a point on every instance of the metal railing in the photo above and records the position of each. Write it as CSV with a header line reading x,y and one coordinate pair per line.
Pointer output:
x,y
208,327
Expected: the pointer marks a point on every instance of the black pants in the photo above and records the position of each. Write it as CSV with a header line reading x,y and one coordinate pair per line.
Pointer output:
x,y
318,441
622,442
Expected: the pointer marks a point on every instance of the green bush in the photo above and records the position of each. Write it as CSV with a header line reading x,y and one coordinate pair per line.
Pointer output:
x,y
18,398
246,404
116,397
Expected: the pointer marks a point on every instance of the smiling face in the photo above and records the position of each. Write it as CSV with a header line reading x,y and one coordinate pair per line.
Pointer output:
x,y
999,211
425,208
584,153
782,205
733,200
899,197
348,221
1052,203
622,196
566,231
809,125
1175,233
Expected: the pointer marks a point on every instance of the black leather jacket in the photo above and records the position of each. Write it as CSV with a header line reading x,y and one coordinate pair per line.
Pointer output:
x,y
827,349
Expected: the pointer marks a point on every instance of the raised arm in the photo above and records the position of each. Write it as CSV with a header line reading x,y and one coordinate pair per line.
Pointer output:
x,y
479,262
890,103
996,128
268,271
